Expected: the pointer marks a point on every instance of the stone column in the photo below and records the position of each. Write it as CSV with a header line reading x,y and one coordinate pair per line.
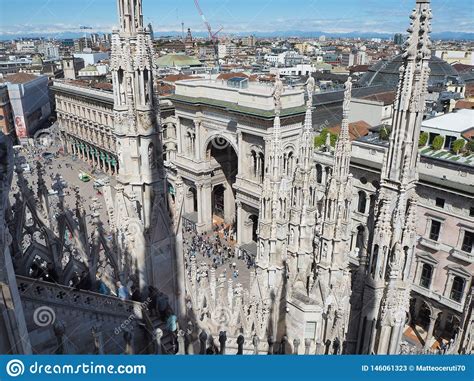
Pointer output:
x,y
198,148
307,346
229,204
240,223
429,333
204,195
179,135
240,145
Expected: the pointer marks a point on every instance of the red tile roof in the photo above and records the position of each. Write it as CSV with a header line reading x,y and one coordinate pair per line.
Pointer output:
x,y
177,77
465,105
356,129
461,68
358,68
387,98
19,78
469,134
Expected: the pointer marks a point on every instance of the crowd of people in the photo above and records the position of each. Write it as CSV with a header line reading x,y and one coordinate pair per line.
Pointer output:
x,y
216,248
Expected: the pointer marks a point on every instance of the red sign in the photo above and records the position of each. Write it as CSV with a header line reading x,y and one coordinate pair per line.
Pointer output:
x,y
20,127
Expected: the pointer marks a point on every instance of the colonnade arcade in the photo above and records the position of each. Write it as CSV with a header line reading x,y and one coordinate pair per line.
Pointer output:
x,y
96,157
432,322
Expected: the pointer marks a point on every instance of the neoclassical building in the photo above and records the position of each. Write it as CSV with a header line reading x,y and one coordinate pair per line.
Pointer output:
x,y
354,246
85,117
223,131
85,120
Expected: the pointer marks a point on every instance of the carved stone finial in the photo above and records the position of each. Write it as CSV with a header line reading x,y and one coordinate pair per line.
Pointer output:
x,y
222,342
255,342
181,343
240,344
202,342
296,345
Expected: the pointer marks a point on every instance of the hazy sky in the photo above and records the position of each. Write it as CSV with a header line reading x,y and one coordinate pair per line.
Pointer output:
x,y
52,16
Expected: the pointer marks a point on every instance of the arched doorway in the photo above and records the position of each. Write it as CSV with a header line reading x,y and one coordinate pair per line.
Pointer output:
x,y
254,220
423,318
223,160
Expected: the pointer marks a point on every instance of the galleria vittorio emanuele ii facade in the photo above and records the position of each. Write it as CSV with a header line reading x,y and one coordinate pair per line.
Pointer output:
x,y
362,246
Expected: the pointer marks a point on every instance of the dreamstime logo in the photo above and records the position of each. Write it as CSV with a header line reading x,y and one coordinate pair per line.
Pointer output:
x,y
220,142
46,138
15,368
44,316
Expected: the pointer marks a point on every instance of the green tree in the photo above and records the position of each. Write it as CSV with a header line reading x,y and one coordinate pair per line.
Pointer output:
x,y
470,146
438,142
424,136
457,146
320,139
385,132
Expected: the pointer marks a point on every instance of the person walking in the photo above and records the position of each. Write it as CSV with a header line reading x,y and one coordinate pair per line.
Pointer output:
x,y
122,291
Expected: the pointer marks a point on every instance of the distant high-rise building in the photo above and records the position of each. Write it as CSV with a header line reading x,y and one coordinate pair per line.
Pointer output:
x,y
322,38
398,39
249,41
150,28
81,44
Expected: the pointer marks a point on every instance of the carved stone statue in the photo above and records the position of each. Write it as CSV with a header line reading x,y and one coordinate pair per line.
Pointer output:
x,y
271,342
255,342
202,342
158,334
240,344
222,341
296,345
310,87
277,93
347,93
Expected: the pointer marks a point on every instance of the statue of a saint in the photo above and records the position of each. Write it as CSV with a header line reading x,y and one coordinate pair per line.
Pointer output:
x,y
277,93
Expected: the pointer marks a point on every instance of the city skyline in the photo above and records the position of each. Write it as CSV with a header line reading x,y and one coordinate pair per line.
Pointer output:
x,y
58,17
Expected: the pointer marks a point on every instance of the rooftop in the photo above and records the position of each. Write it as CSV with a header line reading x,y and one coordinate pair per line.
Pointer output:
x,y
387,72
458,121
254,98
20,78
177,60
356,129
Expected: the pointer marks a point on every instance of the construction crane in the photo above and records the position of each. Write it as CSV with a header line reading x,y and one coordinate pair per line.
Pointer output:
x,y
212,36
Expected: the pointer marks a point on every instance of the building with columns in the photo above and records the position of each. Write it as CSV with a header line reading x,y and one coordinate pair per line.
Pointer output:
x,y
85,117
355,247
222,133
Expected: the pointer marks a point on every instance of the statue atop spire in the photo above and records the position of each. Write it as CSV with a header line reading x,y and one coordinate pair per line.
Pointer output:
x,y
310,87
393,247
277,93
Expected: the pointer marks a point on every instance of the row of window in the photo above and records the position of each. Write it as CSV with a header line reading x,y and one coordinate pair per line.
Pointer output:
x,y
457,288
467,242
85,112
